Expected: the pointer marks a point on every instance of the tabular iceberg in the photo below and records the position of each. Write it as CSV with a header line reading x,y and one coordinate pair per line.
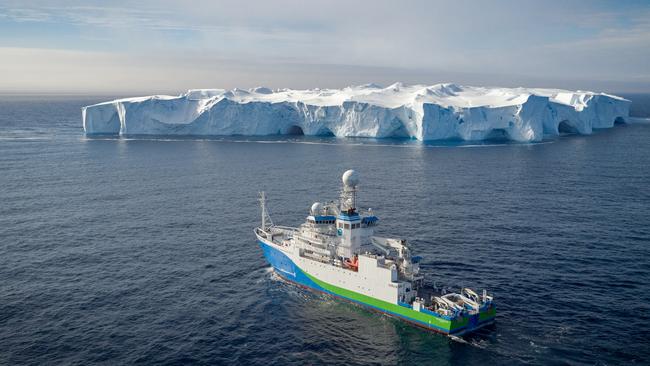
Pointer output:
x,y
437,112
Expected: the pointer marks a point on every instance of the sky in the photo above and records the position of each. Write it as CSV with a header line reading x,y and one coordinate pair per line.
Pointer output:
x,y
158,47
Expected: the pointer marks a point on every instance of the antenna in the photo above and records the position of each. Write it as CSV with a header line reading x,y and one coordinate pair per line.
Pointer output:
x,y
266,218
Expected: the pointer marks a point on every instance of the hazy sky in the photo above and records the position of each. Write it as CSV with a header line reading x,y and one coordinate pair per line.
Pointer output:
x,y
144,46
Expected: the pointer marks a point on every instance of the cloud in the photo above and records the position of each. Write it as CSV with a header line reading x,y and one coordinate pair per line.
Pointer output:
x,y
502,42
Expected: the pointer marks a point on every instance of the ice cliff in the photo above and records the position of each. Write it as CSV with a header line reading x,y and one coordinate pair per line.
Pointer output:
x,y
437,112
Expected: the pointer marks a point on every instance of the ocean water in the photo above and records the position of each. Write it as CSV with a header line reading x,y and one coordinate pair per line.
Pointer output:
x,y
125,251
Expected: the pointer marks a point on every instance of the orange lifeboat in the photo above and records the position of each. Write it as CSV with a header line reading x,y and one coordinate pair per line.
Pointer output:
x,y
352,264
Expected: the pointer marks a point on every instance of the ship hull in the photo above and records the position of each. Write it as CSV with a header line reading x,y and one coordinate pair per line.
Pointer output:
x,y
283,264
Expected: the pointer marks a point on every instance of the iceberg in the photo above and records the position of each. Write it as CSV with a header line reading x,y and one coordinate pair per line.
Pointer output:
x,y
436,112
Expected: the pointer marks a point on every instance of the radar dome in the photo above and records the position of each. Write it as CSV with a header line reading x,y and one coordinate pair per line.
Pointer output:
x,y
350,178
316,208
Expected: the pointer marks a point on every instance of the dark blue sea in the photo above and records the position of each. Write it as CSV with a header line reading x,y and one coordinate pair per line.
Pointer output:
x,y
141,251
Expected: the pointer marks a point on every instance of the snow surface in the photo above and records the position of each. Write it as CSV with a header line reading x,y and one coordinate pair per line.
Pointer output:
x,y
437,112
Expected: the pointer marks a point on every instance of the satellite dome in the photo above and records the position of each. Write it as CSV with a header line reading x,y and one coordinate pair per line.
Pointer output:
x,y
316,208
350,178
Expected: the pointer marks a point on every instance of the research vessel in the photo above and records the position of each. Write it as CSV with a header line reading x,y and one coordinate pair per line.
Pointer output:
x,y
335,251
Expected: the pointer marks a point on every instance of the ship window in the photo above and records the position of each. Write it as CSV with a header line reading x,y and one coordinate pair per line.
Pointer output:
x,y
346,225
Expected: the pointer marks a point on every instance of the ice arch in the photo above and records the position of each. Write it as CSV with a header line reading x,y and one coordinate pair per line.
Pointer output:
x,y
566,127
295,130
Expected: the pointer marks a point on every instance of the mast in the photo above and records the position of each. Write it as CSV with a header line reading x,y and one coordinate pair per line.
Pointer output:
x,y
263,204
348,202
266,218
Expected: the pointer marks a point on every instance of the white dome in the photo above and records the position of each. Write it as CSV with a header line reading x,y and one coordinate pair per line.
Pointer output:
x,y
316,208
350,178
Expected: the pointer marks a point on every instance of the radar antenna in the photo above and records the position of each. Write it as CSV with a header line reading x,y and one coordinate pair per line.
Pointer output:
x,y
267,223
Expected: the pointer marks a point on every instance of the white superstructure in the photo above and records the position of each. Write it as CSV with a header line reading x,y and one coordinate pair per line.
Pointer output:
x,y
337,244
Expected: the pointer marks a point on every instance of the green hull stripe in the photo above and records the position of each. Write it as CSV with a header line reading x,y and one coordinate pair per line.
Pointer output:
x,y
435,322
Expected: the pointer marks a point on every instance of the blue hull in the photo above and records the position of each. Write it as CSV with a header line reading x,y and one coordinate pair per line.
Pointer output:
x,y
286,268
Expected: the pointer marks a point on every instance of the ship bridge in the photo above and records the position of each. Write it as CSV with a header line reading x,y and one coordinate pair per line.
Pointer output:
x,y
321,219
